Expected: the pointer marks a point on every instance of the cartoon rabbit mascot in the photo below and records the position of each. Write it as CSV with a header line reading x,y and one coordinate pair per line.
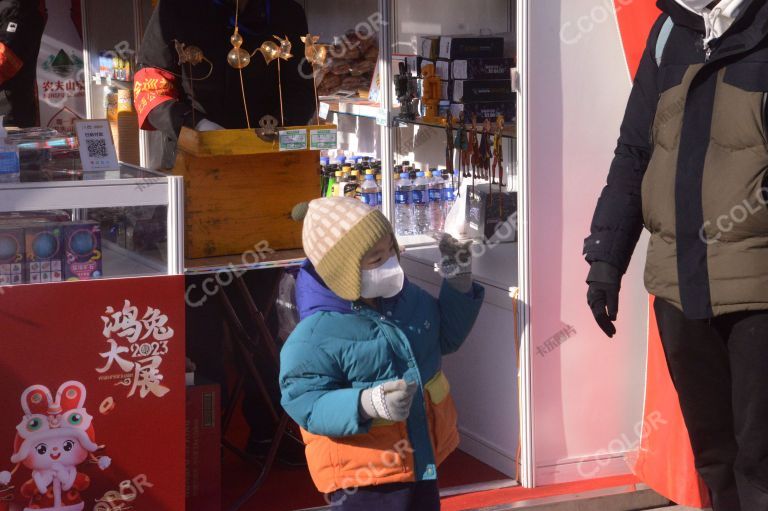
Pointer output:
x,y
52,439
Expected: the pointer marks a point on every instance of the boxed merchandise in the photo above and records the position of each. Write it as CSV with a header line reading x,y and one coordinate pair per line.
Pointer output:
x,y
429,47
203,446
11,256
460,47
488,209
471,47
476,91
82,251
480,69
44,251
489,110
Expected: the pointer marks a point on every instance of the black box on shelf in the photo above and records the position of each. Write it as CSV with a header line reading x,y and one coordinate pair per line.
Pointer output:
x,y
488,210
462,47
481,69
11,256
486,110
477,91
44,253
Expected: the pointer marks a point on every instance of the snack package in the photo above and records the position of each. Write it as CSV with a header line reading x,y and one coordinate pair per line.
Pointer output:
x,y
82,251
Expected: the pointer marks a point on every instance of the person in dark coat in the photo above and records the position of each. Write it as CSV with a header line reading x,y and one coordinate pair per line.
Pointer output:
x,y
692,167
169,95
208,96
22,23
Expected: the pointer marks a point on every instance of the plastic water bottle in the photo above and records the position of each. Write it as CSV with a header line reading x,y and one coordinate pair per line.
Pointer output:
x,y
435,191
369,191
403,205
420,204
10,166
449,192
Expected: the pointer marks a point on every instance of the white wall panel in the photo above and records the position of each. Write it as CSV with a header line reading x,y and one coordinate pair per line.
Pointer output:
x,y
588,392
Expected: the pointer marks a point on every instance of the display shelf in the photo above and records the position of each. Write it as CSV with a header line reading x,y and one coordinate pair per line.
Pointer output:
x,y
246,262
492,265
128,187
367,109
120,262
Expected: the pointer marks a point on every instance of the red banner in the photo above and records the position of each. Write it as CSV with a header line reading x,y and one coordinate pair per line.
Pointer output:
x,y
635,20
93,395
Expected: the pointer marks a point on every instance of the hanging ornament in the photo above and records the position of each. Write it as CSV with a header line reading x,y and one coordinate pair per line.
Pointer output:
x,y
192,56
316,55
285,48
270,50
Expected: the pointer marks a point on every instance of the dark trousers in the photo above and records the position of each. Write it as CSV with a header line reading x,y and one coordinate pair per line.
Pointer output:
x,y
420,496
720,370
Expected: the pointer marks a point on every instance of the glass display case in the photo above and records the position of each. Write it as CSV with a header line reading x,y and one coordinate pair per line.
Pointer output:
x,y
60,223
112,34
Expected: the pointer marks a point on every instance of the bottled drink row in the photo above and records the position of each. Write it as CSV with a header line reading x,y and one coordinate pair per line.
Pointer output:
x,y
422,198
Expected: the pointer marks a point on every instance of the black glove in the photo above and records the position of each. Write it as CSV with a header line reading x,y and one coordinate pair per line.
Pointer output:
x,y
603,295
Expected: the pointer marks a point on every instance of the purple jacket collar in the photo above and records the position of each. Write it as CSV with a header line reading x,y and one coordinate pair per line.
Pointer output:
x,y
312,295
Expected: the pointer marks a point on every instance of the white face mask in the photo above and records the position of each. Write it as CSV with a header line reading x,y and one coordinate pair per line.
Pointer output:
x,y
383,282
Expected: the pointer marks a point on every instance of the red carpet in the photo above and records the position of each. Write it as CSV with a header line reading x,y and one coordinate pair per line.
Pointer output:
x,y
289,489
509,495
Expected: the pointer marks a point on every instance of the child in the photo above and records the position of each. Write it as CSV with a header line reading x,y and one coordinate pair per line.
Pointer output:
x,y
361,372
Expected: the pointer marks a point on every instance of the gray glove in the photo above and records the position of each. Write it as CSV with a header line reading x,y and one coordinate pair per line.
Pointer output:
x,y
390,401
456,263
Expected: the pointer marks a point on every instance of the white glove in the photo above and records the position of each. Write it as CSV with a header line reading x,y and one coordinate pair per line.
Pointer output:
x,y
206,125
456,263
390,401
5,478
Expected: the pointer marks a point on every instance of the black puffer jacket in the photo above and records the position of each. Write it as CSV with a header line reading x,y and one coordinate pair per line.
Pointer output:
x,y
690,166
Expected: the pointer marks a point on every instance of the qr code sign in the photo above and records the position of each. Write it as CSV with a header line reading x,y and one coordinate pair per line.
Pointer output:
x,y
97,147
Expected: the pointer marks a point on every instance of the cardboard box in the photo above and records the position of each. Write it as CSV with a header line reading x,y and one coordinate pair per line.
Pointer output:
x,y
44,253
11,256
82,251
487,210
478,91
486,110
471,47
481,69
203,447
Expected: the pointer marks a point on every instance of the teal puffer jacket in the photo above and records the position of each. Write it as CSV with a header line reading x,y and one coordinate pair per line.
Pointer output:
x,y
341,348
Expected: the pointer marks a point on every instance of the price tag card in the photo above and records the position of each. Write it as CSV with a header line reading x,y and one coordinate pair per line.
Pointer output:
x,y
323,139
325,109
382,118
293,140
97,149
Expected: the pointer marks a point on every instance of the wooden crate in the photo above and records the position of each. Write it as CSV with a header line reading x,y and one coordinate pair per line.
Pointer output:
x,y
239,192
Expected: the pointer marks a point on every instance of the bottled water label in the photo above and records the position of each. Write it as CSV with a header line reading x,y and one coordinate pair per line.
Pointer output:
x,y
9,163
370,199
403,197
419,197
449,194
435,195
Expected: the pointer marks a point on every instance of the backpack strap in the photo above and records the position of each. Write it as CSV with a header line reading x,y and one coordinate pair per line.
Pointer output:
x,y
661,42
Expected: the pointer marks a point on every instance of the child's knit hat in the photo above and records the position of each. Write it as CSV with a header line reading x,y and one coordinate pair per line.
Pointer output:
x,y
338,232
